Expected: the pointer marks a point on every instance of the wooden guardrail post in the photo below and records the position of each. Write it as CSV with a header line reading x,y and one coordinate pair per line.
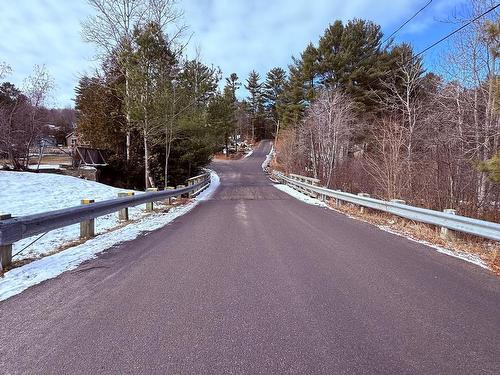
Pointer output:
x,y
361,208
123,213
191,182
5,250
169,188
180,187
149,205
87,227
445,233
338,202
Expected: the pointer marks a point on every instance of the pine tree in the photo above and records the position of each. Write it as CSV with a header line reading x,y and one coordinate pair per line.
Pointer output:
x,y
256,100
100,120
273,92
294,96
349,59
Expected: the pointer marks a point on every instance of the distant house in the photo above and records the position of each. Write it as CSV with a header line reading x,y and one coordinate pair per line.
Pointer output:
x,y
47,141
72,140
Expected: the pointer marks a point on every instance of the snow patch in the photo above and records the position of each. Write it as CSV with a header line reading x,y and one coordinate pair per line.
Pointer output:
x,y
21,278
248,154
25,193
268,159
471,258
301,197
44,166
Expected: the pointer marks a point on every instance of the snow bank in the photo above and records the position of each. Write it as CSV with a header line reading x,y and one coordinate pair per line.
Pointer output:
x,y
471,258
269,157
301,197
44,166
24,193
21,278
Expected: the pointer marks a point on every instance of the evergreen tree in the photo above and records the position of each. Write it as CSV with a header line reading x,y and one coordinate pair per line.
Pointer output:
x,y
151,63
294,97
256,101
99,115
349,59
232,85
273,92
221,117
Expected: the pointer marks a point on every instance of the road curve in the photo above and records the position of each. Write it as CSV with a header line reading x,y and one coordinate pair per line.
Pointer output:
x,y
256,282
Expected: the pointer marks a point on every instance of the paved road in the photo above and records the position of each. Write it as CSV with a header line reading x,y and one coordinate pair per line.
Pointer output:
x,y
256,282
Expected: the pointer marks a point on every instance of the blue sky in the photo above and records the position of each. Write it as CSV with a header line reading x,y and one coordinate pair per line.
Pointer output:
x,y
237,35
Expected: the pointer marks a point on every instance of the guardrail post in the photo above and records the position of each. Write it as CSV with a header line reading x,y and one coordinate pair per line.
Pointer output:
x,y
149,205
123,213
190,183
169,188
361,208
180,187
170,198
87,227
338,202
5,250
448,234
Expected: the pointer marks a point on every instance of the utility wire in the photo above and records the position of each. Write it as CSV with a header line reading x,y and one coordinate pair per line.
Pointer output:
x,y
456,31
442,39
396,31
407,22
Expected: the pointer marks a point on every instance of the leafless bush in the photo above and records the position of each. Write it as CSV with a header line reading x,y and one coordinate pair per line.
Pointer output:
x,y
326,132
388,161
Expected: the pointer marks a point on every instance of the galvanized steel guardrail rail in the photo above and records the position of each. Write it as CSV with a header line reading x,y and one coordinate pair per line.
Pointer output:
x,y
451,221
17,228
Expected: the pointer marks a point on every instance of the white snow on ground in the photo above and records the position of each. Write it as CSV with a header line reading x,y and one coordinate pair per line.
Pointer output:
x,y
471,258
248,154
44,166
269,157
25,193
301,197
21,278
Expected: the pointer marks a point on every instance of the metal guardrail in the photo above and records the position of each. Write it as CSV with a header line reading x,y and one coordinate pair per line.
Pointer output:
x,y
457,223
17,228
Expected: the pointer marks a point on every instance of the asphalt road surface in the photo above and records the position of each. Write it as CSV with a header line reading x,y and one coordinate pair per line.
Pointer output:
x,y
256,282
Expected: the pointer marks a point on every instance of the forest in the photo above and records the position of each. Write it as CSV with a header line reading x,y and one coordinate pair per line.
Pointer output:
x,y
354,109
363,114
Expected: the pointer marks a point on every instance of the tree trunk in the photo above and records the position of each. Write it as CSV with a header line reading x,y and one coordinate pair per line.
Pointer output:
x,y
146,162
127,116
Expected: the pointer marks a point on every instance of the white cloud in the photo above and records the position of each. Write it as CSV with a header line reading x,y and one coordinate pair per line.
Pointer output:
x,y
237,35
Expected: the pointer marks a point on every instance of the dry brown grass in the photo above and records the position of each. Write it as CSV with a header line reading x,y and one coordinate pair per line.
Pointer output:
x,y
54,159
488,251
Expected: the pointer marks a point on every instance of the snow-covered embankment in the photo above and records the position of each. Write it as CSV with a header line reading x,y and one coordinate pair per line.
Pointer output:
x,y
29,193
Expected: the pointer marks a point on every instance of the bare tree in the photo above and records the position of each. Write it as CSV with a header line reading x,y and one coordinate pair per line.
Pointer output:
x,y
473,60
327,129
403,98
36,88
388,162
21,116
5,69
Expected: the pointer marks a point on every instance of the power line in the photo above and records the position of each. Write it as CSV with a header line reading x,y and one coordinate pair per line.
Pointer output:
x,y
407,21
442,39
456,31
395,32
